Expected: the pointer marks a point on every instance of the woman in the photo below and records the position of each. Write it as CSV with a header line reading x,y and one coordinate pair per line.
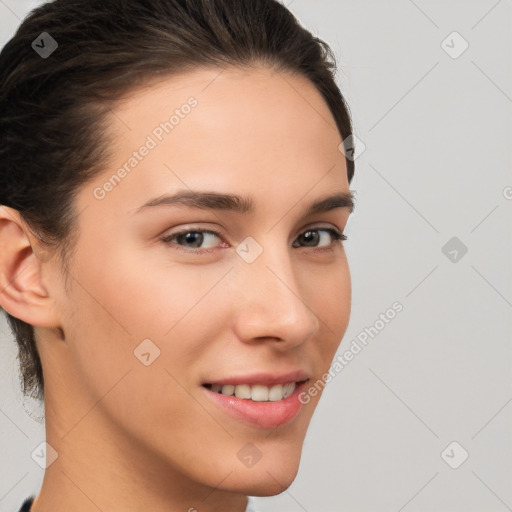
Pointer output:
x,y
175,189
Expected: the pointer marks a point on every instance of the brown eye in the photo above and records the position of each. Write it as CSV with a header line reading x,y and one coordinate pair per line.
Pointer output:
x,y
193,239
312,237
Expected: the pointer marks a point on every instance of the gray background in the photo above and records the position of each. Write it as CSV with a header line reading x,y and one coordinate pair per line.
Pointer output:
x,y
436,165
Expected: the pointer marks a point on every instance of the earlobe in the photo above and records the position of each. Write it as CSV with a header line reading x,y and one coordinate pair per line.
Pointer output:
x,y
22,293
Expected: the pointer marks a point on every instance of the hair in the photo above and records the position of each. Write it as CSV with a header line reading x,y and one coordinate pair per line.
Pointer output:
x,y
53,110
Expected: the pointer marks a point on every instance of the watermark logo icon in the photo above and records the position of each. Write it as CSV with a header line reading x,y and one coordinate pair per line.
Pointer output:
x,y
44,45
454,249
249,249
146,352
249,455
454,455
352,147
44,455
454,45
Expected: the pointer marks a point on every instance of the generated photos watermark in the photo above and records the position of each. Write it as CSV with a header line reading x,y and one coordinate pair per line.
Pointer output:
x,y
356,346
156,136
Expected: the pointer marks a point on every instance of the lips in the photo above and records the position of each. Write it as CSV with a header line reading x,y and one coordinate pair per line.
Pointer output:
x,y
263,378
262,399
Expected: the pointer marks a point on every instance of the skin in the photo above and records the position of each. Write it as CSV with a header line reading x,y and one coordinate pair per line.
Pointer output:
x,y
131,437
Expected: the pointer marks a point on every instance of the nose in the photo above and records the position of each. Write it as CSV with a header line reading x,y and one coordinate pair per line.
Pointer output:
x,y
270,303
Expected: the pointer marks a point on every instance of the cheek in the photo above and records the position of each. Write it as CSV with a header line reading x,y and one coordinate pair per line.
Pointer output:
x,y
332,306
121,307
120,302
142,297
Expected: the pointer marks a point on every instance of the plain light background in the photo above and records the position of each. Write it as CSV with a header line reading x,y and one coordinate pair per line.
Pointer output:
x,y
434,384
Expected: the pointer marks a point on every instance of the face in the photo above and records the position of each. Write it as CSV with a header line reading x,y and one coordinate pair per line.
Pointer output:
x,y
175,302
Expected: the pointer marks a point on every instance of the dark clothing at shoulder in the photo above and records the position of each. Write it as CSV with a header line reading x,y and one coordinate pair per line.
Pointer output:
x,y
27,504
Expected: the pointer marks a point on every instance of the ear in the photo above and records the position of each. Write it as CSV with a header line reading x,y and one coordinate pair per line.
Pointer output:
x,y
22,293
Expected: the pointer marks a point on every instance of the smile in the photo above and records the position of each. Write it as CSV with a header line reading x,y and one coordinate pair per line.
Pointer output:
x,y
261,400
256,392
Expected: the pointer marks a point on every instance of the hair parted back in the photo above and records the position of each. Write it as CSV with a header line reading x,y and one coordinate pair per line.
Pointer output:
x,y
53,136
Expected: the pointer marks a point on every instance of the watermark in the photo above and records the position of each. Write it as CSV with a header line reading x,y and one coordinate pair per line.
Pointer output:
x,y
507,193
352,147
44,45
355,348
454,249
454,45
249,249
156,136
455,455
146,352
249,455
44,455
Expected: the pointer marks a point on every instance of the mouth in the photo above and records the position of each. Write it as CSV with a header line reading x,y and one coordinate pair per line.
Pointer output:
x,y
261,400
256,392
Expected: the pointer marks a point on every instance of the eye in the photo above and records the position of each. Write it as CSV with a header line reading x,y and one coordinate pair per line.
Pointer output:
x,y
192,240
311,237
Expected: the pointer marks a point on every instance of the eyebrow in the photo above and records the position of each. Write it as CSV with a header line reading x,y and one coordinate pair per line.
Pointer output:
x,y
241,204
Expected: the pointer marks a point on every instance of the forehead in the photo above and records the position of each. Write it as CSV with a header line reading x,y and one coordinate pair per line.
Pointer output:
x,y
247,104
245,130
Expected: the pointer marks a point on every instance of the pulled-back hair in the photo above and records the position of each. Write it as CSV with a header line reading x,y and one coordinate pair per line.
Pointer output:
x,y
53,108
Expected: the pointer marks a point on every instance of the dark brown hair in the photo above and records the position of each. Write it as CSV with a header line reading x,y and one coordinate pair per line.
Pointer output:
x,y
53,107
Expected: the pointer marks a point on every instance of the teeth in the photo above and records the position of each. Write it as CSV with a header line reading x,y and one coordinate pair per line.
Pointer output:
x,y
228,389
257,392
243,391
289,389
275,393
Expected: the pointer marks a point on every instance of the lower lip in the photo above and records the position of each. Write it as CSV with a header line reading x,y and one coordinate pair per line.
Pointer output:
x,y
261,414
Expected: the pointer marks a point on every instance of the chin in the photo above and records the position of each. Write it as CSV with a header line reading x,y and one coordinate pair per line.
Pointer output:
x,y
267,478
277,466
264,484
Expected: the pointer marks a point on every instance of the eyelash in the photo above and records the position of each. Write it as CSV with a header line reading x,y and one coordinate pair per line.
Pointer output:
x,y
337,236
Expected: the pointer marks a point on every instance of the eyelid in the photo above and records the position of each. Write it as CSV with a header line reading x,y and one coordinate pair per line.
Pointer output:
x,y
201,229
328,227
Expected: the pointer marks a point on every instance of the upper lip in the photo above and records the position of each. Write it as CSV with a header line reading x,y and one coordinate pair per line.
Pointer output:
x,y
264,378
